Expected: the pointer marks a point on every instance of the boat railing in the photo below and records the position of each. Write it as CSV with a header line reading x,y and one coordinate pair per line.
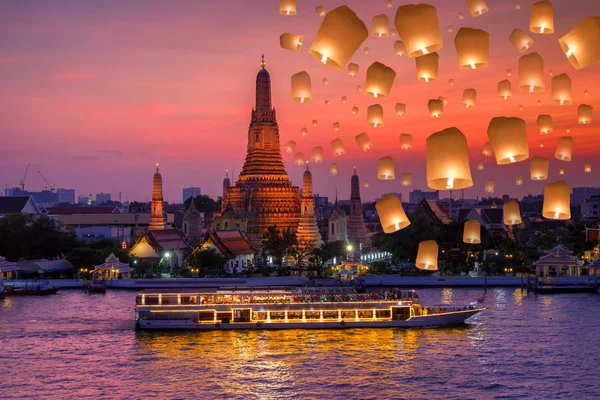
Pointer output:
x,y
27,285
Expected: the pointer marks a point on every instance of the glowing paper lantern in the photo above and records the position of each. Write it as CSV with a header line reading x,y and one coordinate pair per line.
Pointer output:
x,y
317,154
544,123
301,88
375,116
291,41
380,26
490,184
389,4
304,132
581,44
299,158
538,168
427,255
325,81
480,166
363,141
354,110
338,38
406,141
391,214
406,179
321,11
542,17
359,88
517,5
315,122
344,99
336,126
337,147
508,137
385,169
472,232
333,170
504,89
520,40
352,69
519,180
400,109
568,129
427,67
587,168
584,114
509,72
557,201
443,100
461,16
290,146
436,108
564,148
472,48
449,29
520,107
550,72
487,149
531,73
419,29
448,160
512,213
287,7
451,82
561,90
399,48
366,50
542,145
380,79
477,7
539,102
327,102
586,92
468,98
366,184
393,33
561,171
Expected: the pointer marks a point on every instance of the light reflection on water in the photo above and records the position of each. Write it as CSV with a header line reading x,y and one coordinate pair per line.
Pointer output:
x,y
72,345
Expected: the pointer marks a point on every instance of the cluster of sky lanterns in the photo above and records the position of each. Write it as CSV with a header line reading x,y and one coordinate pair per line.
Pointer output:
x,y
342,34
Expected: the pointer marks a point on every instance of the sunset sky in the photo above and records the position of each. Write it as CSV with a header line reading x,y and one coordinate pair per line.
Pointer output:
x,y
95,93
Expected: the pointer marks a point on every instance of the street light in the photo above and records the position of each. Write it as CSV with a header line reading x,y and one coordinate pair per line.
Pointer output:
x,y
167,254
349,247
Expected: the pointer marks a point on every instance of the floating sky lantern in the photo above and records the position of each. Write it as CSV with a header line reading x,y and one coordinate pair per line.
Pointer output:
x,y
354,110
290,146
327,102
366,184
512,213
400,109
505,89
389,4
520,107
568,129
448,160
375,116
490,184
344,99
336,126
436,108
366,50
359,88
325,81
520,40
544,123
564,148
541,145
301,88
538,168
477,7
542,18
427,67
584,114
509,72
380,26
391,214
468,98
586,92
406,141
561,90
353,69
531,73
472,48
315,122
472,232
333,169
443,99
419,29
449,29
550,72
427,255
287,7
299,158
380,79
517,5
303,132
587,168
480,166
399,48
385,169
519,180
363,141
461,16
406,179
508,137
337,147
487,149
338,38
393,33
321,11
561,171
557,201
291,41
451,82
317,154
539,103
581,44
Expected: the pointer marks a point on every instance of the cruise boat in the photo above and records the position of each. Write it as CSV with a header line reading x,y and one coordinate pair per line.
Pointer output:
x,y
290,309
28,288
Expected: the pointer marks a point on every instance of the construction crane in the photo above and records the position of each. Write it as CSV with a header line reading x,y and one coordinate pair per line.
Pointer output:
x,y
50,186
24,177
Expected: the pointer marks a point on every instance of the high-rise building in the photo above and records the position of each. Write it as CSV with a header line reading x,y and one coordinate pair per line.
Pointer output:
x,y
580,194
357,231
82,200
308,232
416,196
65,196
157,218
103,198
192,192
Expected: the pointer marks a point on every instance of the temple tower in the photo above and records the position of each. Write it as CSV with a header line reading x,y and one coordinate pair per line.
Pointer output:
x,y
226,184
308,232
192,223
357,231
157,218
338,230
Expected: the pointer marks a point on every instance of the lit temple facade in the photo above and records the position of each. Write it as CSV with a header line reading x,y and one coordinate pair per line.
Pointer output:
x,y
338,230
157,218
357,231
308,232
263,193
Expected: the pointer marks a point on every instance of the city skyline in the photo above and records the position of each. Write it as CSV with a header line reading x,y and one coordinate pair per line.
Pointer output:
x,y
102,127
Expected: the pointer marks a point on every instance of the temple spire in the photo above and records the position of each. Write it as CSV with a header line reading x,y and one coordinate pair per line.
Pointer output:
x,y
263,89
157,218
263,63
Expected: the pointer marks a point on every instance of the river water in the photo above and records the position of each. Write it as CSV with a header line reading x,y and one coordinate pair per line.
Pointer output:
x,y
75,345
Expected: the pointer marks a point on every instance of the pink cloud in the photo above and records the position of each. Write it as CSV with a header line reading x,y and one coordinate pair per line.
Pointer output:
x,y
72,76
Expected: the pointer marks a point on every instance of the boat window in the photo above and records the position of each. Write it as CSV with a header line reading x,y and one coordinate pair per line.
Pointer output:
x,y
383,313
138,300
365,314
400,313
294,314
224,317
259,316
348,314
206,316
151,300
169,300
188,300
278,315
330,314
312,314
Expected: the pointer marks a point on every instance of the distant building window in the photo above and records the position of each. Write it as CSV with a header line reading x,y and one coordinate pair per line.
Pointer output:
x,y
257,138
226,225
332,228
